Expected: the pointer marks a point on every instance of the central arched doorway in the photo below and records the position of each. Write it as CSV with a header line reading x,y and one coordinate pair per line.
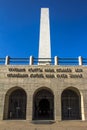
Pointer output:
x,y
17,104
43,105
44,108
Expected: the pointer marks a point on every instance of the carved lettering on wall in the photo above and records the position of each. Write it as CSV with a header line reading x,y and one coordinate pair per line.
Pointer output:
x,y
50,76
49,70
17,75
76,76
36,76
65,73
35,70
17,69
78,70
62,76
64,70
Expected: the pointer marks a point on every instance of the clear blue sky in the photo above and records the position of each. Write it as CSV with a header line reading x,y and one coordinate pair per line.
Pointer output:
x,y
19,27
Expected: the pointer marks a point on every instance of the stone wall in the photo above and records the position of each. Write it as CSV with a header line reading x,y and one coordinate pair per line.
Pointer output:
x,y
31,78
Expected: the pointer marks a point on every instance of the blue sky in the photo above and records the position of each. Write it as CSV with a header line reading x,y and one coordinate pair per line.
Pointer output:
x,y
20,21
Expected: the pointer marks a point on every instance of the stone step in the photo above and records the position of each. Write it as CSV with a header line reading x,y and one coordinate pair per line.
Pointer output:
x,y
26,125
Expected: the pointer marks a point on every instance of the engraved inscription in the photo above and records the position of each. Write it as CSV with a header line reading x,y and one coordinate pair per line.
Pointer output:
x,y
45,73
64,70
17,75
76,76
35,70
17,69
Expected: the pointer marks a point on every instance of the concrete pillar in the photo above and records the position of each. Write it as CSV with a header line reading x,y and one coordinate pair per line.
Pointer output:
x,y
57,107
2,103
31,60
7,60
80,60
55,60
29,108
82,107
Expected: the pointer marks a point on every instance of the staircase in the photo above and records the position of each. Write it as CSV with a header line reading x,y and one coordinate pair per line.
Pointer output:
x,y
26,125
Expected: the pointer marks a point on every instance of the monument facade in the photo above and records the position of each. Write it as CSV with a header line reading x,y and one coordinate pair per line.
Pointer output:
x,y
45,91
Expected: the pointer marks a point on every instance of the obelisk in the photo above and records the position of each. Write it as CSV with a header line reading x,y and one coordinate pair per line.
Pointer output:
x,y
44,41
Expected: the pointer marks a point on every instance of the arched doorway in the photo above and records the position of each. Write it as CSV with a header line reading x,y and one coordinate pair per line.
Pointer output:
x,y
43,105
71,105
17,104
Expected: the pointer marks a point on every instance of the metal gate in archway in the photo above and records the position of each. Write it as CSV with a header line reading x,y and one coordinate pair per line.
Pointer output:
x,y
17,105
71,108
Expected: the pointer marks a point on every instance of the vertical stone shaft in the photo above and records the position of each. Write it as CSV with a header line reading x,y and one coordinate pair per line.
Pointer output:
x,y
44,41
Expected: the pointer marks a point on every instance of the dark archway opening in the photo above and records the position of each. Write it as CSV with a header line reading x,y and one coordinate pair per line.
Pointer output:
x,y
17,105
71,105
43,105
44,108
